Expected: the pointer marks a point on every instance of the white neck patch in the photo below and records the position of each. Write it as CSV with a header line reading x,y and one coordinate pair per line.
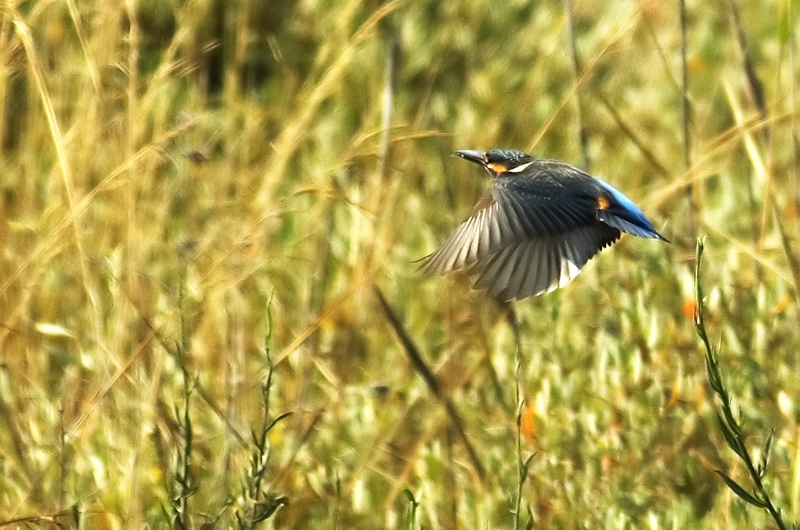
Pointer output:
x,y
520,169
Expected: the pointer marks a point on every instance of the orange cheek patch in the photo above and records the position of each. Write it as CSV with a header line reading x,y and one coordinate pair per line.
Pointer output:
x,y
497,168
602,203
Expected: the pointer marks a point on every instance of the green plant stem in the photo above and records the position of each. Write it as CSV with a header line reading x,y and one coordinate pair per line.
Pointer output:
x,y
522,465
729,425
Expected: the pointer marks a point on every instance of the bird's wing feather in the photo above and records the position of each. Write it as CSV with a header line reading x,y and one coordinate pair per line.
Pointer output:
x,y
508,219
473,238
539,265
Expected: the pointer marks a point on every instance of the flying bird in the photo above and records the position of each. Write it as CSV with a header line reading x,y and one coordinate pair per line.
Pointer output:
x,y
536,227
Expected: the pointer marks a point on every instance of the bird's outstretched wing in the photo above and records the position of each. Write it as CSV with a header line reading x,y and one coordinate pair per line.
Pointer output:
x,y
523,239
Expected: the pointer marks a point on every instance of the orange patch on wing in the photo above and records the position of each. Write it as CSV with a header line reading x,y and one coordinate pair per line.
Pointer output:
x,y
497,168
602,203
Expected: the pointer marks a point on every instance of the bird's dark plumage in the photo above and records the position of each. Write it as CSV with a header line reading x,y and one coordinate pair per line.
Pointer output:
x,y
537,227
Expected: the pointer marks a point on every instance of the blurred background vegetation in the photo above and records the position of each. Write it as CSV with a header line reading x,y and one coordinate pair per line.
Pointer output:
x,y
193,191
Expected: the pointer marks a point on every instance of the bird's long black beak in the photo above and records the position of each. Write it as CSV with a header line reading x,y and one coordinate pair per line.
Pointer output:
x,y
476,157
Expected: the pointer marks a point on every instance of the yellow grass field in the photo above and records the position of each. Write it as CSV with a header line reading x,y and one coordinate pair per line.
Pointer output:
x,y
203,203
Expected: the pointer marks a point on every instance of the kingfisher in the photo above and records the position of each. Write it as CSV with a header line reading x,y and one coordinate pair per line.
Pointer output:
x,y
536,227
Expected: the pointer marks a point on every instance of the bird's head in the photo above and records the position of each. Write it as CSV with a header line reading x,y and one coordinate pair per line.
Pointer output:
x,y
499,161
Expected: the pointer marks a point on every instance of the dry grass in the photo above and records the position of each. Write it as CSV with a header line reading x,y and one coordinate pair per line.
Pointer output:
x,y
194,190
